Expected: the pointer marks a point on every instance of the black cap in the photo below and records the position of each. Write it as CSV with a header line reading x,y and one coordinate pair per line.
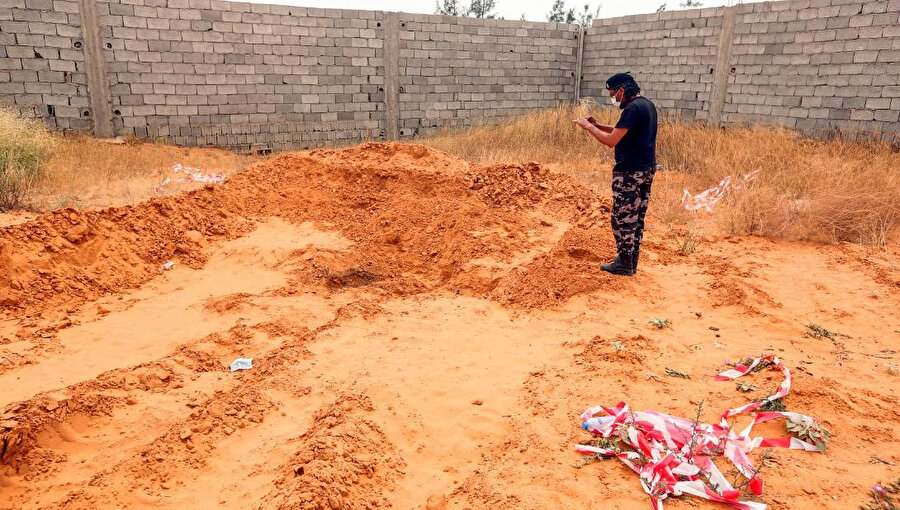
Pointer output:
x,y
617,80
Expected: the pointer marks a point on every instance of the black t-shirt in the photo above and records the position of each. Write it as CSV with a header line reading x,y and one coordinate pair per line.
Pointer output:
x,y
637,149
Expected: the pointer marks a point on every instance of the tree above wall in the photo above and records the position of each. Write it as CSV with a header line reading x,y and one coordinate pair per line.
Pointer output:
x,y
560,14
477,9
482,9
448,8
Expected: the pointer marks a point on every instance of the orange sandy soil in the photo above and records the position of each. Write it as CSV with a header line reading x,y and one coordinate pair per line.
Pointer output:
x,y
425,334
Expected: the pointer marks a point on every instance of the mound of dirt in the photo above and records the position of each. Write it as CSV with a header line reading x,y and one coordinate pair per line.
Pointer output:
x,y
413,214
416,219
343,461
67,256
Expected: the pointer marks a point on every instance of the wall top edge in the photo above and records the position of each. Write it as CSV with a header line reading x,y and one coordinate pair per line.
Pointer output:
x,y
707,12
319,12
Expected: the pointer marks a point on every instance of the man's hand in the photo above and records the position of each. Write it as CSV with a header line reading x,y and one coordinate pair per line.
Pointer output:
x,y
609,138
601,127
583,123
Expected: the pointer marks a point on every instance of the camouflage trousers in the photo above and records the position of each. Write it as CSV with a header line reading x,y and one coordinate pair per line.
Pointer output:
x,y
631,195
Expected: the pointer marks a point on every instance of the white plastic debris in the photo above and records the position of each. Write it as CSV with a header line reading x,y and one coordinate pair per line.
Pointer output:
x,y
190,175
168,265
242,364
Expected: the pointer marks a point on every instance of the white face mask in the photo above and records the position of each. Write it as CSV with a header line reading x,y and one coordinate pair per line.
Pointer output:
x,y
614,102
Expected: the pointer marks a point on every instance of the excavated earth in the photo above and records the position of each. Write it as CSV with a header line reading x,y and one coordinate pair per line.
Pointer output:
x,y
425,334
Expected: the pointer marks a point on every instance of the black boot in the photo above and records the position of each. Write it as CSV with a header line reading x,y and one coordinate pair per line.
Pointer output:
x,y
622,265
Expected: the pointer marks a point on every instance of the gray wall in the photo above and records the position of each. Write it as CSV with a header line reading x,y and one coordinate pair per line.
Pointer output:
x,y
42,62
460,71
255,76
819,66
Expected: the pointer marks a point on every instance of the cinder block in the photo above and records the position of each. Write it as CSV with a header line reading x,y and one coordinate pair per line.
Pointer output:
x,y
862,20
887,115
40,5
888,56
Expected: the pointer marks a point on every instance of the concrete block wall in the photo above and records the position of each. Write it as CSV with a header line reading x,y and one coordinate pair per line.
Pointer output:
x,y
822,67
672,54
255,76
819,66
243,76
464,71
42,62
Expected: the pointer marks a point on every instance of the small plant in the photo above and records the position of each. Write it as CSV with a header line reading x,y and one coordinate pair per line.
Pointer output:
x,y
808,429
774,405
749,361
883,497
817,331
617,345
687,243
659,323
607,443
675,373
695,436
745,387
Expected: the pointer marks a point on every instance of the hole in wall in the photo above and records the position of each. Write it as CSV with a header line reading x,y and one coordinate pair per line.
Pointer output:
x,y
733,69
710,70
401,89
67,77
85,113
380,89
51,110
378,24
692,24
402,24
117,112
38,55
77,44
109,46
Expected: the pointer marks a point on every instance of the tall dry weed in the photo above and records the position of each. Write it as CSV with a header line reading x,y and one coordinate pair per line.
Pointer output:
x,y
84,172
807,189
25,147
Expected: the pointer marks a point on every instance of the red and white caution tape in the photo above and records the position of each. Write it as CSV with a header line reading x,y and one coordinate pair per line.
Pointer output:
x,y
191,175
709,198
673,456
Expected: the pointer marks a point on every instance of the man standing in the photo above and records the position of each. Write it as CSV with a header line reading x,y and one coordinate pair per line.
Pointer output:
x,y
634,140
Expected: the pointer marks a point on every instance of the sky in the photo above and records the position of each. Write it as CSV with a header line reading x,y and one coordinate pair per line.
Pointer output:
x,y
534,10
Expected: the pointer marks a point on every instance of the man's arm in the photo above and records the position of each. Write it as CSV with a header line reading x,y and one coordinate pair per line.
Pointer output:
x,y
610,139
602,127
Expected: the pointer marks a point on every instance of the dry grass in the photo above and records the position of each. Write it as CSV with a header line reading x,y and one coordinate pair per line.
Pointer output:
x,y
807,189
25,146
85,172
